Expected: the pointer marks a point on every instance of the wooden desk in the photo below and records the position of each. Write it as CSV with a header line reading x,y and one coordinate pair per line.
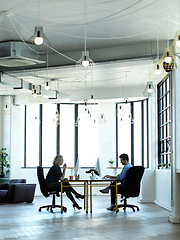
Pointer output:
x,y
77,183
98,183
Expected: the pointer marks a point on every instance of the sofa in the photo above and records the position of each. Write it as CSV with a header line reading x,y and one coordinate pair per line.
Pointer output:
x,y
17,191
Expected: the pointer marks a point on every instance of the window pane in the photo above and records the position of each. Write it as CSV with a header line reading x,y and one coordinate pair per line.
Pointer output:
x,y
88,135
32,135
145,133
124,129
164,121
67,125
49,126
137,134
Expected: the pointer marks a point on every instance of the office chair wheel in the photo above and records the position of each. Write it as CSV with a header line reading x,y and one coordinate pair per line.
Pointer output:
x,y
51,210
133,210
39,209
64,209
47,208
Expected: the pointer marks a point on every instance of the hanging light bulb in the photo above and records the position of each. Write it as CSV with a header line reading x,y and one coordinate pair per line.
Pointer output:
x,y
47,87
91,98
34,93
38,40
178,41
168,58
6,108
149,89
85,61
158,70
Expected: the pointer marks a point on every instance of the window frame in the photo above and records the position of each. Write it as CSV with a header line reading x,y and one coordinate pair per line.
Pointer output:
x,y
164,113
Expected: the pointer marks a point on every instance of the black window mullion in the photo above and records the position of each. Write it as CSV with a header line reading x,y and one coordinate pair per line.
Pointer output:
x,y
25,126
76,133
132,133
40,134
147,113
142,133
58,133
117,135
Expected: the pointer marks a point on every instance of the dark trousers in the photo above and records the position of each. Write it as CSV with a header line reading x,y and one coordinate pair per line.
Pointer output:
x,y
67,188
120,189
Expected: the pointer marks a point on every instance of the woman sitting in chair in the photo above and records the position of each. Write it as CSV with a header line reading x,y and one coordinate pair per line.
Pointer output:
x,y
52,181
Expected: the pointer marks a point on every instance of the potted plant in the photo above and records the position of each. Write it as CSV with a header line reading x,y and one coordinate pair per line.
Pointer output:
x,y
4,162
93,172
161,165
111,162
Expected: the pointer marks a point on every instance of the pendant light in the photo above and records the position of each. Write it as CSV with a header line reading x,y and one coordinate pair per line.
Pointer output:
x,y
178,41
158,70
6,108
168,58
38,37
47,87
85,60
149,89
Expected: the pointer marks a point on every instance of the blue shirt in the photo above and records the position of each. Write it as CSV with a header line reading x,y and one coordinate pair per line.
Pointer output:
x,y
121,177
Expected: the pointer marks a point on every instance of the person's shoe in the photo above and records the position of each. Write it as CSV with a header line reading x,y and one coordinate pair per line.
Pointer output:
x,y
76,206
105,190
111,208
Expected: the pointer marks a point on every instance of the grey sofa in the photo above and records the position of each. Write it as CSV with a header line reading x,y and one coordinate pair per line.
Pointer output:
x,y
16,191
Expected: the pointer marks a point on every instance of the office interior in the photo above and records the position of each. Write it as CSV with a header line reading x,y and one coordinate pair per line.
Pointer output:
x,y
124,39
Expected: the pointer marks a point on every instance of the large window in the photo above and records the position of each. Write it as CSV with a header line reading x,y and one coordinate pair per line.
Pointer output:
x,y
32,135
49,127
132,131
88,135
67,133
164,122
73,131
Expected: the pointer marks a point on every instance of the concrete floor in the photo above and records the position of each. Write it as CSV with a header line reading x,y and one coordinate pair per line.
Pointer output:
x,y
24,222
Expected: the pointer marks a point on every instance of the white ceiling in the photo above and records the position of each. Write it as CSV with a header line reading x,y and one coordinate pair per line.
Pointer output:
x,y
115,30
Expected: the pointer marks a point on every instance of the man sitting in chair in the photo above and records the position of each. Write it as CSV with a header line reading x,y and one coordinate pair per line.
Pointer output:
x,y
121,177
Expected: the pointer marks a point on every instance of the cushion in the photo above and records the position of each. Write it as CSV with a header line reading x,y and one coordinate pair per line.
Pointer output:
x,y
17,181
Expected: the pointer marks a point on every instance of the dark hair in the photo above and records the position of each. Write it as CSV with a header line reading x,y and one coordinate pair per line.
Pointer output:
x,y
124,156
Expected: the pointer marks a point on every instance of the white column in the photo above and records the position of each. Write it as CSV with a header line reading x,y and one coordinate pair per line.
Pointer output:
x,y
175,179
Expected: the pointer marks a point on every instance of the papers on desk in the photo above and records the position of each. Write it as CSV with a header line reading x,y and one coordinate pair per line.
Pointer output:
x,y
110,179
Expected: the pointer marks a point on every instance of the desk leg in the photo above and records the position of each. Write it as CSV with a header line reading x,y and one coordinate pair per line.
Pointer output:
x,y
87,197
116,197
84,195
61,197
90,197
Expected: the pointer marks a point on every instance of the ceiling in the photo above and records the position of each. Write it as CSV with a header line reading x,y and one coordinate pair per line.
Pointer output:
x,y
120,35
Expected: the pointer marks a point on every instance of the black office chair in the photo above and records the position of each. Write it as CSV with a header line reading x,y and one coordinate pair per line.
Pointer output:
x,y
46,193
132,187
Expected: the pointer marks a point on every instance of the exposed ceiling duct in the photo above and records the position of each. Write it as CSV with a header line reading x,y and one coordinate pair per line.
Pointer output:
x,y
18,54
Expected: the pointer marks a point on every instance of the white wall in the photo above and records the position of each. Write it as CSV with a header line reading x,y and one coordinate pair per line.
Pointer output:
x,y
163,188
147,187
